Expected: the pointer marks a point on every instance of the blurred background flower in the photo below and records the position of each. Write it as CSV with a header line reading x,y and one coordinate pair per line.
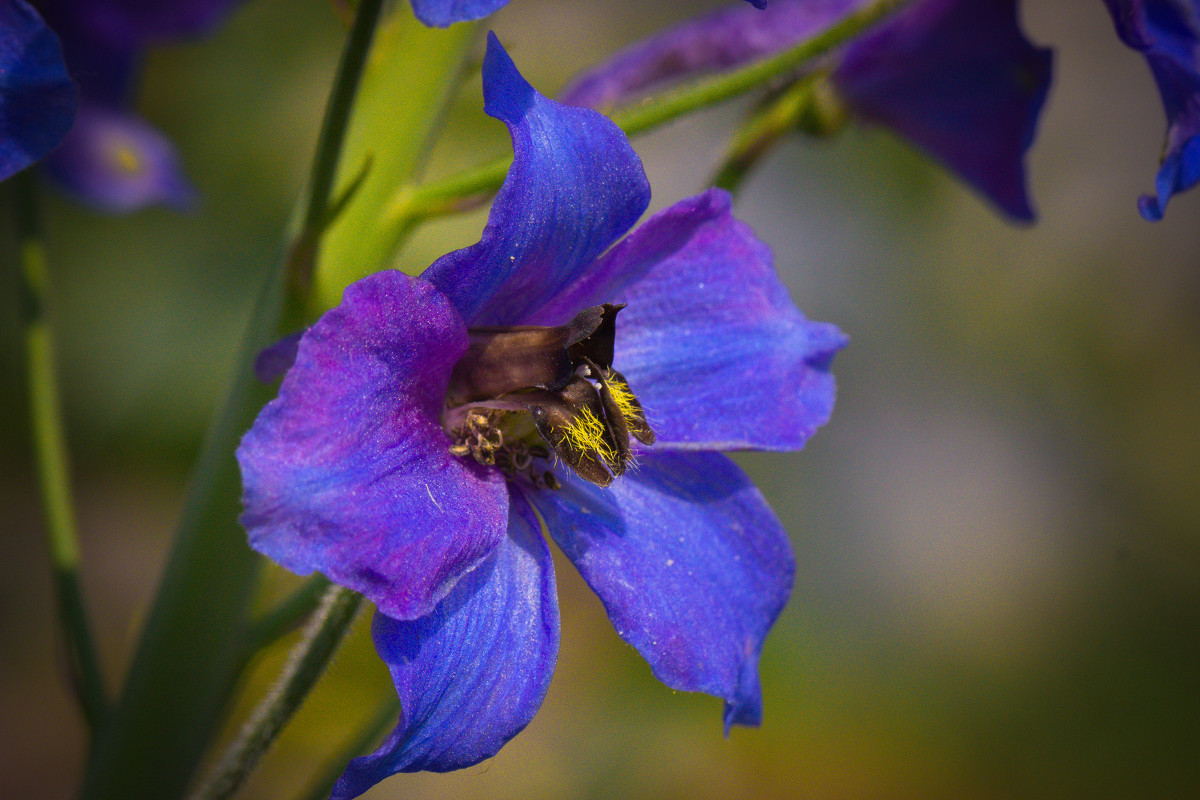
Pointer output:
x,y
113,159
997,534
37,99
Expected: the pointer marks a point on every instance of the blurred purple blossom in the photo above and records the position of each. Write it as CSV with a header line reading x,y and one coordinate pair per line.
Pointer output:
x,y
112,158
1167,33
958,78
37,98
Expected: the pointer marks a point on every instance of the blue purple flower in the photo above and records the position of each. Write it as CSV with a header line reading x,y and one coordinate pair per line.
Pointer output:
x,y
956,77
112,158
1167,33
37,98
431,427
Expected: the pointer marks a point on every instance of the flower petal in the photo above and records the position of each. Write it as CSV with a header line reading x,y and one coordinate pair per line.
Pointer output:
x,y
348,471
960,80
131,23
1167,33
957,77
691,564
37,99
472,674
722,39
443,13
118,163
710,342
574,188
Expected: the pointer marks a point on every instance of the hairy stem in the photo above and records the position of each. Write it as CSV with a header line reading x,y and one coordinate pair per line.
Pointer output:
x,y
305,665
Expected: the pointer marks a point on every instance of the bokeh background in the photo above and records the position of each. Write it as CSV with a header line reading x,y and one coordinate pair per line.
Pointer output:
x,y
997,536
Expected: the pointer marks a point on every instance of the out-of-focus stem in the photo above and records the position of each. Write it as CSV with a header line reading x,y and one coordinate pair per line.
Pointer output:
x,y
50,452
305,665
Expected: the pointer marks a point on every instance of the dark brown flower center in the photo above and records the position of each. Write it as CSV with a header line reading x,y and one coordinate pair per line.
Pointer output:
x,y
521,393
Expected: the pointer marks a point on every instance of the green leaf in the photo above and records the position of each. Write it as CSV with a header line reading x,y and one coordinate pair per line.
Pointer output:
x,y
413,74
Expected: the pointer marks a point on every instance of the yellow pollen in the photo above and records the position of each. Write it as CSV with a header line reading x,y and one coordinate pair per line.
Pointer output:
x,y
586,433
623,397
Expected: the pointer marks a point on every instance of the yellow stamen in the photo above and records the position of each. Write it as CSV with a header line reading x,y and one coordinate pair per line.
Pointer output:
x,y
624,398
586,433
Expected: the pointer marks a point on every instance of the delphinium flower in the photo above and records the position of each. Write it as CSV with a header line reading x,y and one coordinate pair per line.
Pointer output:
x,y
431,426
113,158
37,98
1167,33
958,78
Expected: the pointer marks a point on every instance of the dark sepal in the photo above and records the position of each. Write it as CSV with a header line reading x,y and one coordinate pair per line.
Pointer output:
x,y
500,360
599,342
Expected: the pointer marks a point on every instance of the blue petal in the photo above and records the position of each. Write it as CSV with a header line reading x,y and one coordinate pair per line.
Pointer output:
x,y
1168,35
711,343
472,674
37,99
959,79
691,564
442,13
348,471
574,188
1180,171
117,162
130,22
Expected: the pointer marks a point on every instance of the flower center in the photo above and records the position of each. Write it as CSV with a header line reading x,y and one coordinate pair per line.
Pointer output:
x,y
522,393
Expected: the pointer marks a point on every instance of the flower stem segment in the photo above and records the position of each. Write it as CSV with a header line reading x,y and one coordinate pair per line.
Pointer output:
x,y
50,451
306,664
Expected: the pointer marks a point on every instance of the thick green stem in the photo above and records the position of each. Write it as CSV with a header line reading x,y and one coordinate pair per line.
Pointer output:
x,y
303,252
50,453
306,664
450,195
188,659
413,74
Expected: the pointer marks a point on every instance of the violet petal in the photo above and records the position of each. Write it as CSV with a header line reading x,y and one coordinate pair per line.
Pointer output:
x,y
574,188
443,13
37,99
472,674
1167,33
960,80
691,564
117,162
710,342
348,471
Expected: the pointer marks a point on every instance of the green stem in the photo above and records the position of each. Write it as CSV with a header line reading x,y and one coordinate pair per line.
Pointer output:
x,y
50,453
367,737
316,217
187,660
464,190
282,619
809,104
306,664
